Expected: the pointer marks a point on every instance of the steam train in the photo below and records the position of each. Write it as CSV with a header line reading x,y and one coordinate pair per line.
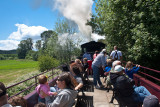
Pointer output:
x,y
91,47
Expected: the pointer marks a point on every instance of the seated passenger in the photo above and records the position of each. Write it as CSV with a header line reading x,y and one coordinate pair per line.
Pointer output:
x,y
18,101
66,95
3,96
125,87
130,70
78,76
43,89
85,68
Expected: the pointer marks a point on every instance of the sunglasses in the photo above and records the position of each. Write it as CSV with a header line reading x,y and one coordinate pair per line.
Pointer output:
x,y
59,79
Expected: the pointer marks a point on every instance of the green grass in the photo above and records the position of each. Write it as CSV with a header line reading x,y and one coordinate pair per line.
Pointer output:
x,y
10,70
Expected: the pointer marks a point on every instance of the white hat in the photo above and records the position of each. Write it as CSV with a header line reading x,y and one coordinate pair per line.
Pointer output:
x,y
104,50
118,68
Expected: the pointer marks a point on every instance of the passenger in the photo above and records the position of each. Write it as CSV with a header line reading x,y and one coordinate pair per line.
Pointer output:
x,y
125,86
116,54
40,104
151,101
85,68
87,55
130,70
95,54
108,68
79,63
78,76
3,96
107,71
98,62
66,95
18,101
43,89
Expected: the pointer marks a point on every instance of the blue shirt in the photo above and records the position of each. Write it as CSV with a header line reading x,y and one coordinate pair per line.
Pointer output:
x,y
88,56
107,69
131,71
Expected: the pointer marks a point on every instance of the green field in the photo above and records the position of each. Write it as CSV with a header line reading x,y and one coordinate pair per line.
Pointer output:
x,y
10,70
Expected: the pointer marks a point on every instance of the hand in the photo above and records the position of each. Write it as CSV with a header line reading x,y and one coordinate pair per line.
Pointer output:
x,y
54,93
137,65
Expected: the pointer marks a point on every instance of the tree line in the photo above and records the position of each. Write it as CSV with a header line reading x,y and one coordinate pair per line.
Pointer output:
x,y
132,25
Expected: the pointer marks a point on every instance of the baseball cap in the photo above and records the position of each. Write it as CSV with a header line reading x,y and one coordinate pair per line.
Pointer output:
x,y
118,68
2,89
151,101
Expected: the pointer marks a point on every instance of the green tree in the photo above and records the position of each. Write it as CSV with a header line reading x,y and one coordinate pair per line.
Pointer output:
x,y
38,44
24,47
132,25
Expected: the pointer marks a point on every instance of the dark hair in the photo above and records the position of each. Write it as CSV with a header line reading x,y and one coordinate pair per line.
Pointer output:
x,y
65,76
18,101
65,68
2,89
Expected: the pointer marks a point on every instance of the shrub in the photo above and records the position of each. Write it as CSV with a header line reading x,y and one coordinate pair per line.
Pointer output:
x,y
46,62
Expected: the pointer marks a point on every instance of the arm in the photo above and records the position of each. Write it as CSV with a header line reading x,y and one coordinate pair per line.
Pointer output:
x,y
80,85
136,68
60,101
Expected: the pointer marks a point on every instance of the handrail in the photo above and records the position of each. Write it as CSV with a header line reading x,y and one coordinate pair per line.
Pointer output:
x,y
145,73
150,69
35,82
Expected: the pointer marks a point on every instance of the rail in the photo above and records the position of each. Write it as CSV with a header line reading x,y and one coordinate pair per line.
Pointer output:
x,y
35,83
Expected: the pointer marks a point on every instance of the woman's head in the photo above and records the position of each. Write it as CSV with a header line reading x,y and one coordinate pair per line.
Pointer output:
x,y
64,81
42,79
129,65
78,61
109,62
85,60
76,68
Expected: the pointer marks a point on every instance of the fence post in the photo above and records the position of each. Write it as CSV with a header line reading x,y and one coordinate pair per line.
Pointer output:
x,y
36,80
52,73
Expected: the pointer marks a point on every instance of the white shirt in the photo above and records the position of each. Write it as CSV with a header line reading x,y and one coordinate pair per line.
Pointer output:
x,y
119,53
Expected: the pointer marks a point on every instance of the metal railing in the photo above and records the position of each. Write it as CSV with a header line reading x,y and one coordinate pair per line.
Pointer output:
x,y
35,83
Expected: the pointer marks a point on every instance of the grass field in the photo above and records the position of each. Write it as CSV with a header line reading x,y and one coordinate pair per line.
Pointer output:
x,y
10,70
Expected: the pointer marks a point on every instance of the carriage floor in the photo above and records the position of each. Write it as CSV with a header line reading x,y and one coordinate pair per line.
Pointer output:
x,y
95,97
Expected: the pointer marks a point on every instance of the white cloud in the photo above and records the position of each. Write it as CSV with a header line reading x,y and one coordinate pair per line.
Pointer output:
x,y
23,32
8,44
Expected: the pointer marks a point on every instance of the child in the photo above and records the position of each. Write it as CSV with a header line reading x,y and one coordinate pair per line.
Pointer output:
x,y
130,70
107,71
108,68
43,89
85,66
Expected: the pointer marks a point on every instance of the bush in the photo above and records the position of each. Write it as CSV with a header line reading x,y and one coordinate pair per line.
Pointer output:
x,y
46,62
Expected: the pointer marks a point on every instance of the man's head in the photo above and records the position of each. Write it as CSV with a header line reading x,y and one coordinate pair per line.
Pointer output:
x,y
104,51
118,69
151,101
3,96
116,63
115,47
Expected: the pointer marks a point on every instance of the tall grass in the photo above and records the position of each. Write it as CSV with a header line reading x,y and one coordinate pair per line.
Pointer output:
x,y
12,69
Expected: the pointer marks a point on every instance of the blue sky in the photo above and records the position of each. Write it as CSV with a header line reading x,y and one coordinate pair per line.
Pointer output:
x,y
22,15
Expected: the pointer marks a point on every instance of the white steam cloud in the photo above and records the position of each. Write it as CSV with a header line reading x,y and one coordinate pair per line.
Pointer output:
x,y
78,11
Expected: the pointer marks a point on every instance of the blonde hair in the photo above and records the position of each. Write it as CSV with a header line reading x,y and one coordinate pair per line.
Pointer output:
x,y
129,65
42,79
